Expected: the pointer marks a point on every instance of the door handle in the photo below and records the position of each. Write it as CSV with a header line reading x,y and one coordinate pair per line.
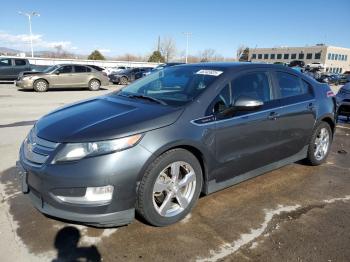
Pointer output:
x,y
311,106
273,116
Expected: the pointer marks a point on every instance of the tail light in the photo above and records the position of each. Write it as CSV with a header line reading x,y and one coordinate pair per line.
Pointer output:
x,y
330,94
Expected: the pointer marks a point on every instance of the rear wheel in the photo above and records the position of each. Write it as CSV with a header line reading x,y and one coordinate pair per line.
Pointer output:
x,y
170,188
123,80
41,85
94,85
320,144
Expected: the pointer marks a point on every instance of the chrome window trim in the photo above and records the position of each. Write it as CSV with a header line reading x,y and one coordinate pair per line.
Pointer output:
x,y
247,115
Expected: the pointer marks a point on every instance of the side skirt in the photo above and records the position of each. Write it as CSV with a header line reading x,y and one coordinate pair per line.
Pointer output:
x,y
213,186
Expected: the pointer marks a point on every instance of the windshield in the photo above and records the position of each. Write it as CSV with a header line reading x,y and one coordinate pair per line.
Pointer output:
x,y
51,69
173,86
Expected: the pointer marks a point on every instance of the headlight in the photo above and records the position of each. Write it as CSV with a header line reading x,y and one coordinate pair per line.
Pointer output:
x,y
76,151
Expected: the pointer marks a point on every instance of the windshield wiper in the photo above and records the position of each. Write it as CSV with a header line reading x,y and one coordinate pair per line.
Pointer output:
x,y
147,98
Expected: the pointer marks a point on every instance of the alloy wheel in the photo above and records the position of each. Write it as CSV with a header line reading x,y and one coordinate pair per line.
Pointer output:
x,y
174,189
321,144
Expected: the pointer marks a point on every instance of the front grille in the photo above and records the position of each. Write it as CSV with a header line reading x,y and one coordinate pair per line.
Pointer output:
x,y
37,150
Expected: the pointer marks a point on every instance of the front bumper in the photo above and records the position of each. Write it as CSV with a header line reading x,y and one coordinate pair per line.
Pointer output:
x,y
24,84
43,183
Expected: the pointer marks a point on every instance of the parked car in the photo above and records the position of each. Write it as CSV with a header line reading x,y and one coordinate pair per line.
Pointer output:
x,y
123,77
11,67
343,101
113,70
65,75
155,145
343,79
298,63
315,65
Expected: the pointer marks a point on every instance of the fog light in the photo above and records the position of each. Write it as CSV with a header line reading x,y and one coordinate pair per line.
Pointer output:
x,y
93,195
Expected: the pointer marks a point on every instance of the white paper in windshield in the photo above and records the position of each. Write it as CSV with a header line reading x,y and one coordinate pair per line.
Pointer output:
x,y
209,72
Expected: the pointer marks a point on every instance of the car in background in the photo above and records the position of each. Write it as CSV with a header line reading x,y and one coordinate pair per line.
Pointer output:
x,y
315,65
10,68
298,63
125,76
329,78
344,79
65,75
113,70
343,101
156,145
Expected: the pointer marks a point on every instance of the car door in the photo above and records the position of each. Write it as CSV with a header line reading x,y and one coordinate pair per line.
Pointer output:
x,y
81,75
297,115
246,140
6,69
62,77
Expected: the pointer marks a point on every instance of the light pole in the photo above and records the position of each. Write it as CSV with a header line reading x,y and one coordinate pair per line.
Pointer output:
x,y
187,34
30,15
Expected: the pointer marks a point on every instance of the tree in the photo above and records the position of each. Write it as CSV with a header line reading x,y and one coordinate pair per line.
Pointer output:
x,y
208,55
156,57
96,55
167,48
241,50
245,55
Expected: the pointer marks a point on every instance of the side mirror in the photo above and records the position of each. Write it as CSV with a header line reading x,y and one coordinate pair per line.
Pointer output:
x,y
242,104
247,104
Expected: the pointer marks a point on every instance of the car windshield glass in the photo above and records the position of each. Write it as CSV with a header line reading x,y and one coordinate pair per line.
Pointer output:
x,y
50,69
174,86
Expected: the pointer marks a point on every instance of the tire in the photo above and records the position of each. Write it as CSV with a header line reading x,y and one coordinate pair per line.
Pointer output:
x,y
41,85
318,152
94,85
174,200
123,80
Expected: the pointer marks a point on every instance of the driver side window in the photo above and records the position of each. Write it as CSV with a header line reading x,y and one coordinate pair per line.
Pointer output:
x,y
223,100
65,69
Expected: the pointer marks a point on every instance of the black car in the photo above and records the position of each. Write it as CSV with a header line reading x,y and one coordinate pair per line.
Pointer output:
x,y
343,101
344,79
298,63
162,66
156,145
123,77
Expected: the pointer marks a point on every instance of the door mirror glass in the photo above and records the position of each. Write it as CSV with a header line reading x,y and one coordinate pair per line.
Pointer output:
x,y
247,104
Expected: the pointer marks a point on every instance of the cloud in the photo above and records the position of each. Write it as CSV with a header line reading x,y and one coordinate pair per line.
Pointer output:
x,y
104,50
23,40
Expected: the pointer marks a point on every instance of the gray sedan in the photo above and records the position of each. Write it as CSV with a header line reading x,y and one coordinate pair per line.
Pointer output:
x,y
63,76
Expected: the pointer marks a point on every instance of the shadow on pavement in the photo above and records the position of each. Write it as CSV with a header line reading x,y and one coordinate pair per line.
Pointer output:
x,y
66,243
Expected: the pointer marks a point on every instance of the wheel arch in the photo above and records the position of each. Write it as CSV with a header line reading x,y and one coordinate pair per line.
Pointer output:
x,y
198,153
330,121
41,78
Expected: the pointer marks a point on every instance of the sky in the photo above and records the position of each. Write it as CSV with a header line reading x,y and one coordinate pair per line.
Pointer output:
x,y
119,27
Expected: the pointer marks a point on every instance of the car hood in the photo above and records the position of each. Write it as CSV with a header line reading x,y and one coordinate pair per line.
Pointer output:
x,y
104,118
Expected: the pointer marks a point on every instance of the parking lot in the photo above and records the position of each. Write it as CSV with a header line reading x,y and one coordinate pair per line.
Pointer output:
x,y
296,213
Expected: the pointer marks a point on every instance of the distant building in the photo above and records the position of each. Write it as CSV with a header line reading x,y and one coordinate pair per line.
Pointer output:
x,y
335,59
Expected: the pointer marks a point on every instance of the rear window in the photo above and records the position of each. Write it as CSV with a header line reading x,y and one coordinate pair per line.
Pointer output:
x,y
80,69
20,62
291,85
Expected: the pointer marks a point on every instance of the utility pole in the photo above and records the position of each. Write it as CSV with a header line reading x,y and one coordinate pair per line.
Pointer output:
x,y
30,15
187,35
158,48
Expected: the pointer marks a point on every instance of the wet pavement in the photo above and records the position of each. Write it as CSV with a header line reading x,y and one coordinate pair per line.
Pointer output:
x,y
296,213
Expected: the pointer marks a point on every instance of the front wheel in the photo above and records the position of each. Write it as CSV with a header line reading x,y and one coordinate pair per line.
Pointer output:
x,y
320,144
170,188
123,80
41,85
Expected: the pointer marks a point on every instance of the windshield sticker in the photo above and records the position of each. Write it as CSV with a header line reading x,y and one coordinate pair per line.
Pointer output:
x,y
209,72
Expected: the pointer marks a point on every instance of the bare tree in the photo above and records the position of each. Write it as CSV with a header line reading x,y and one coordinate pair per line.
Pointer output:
x,y
240,51
167,48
